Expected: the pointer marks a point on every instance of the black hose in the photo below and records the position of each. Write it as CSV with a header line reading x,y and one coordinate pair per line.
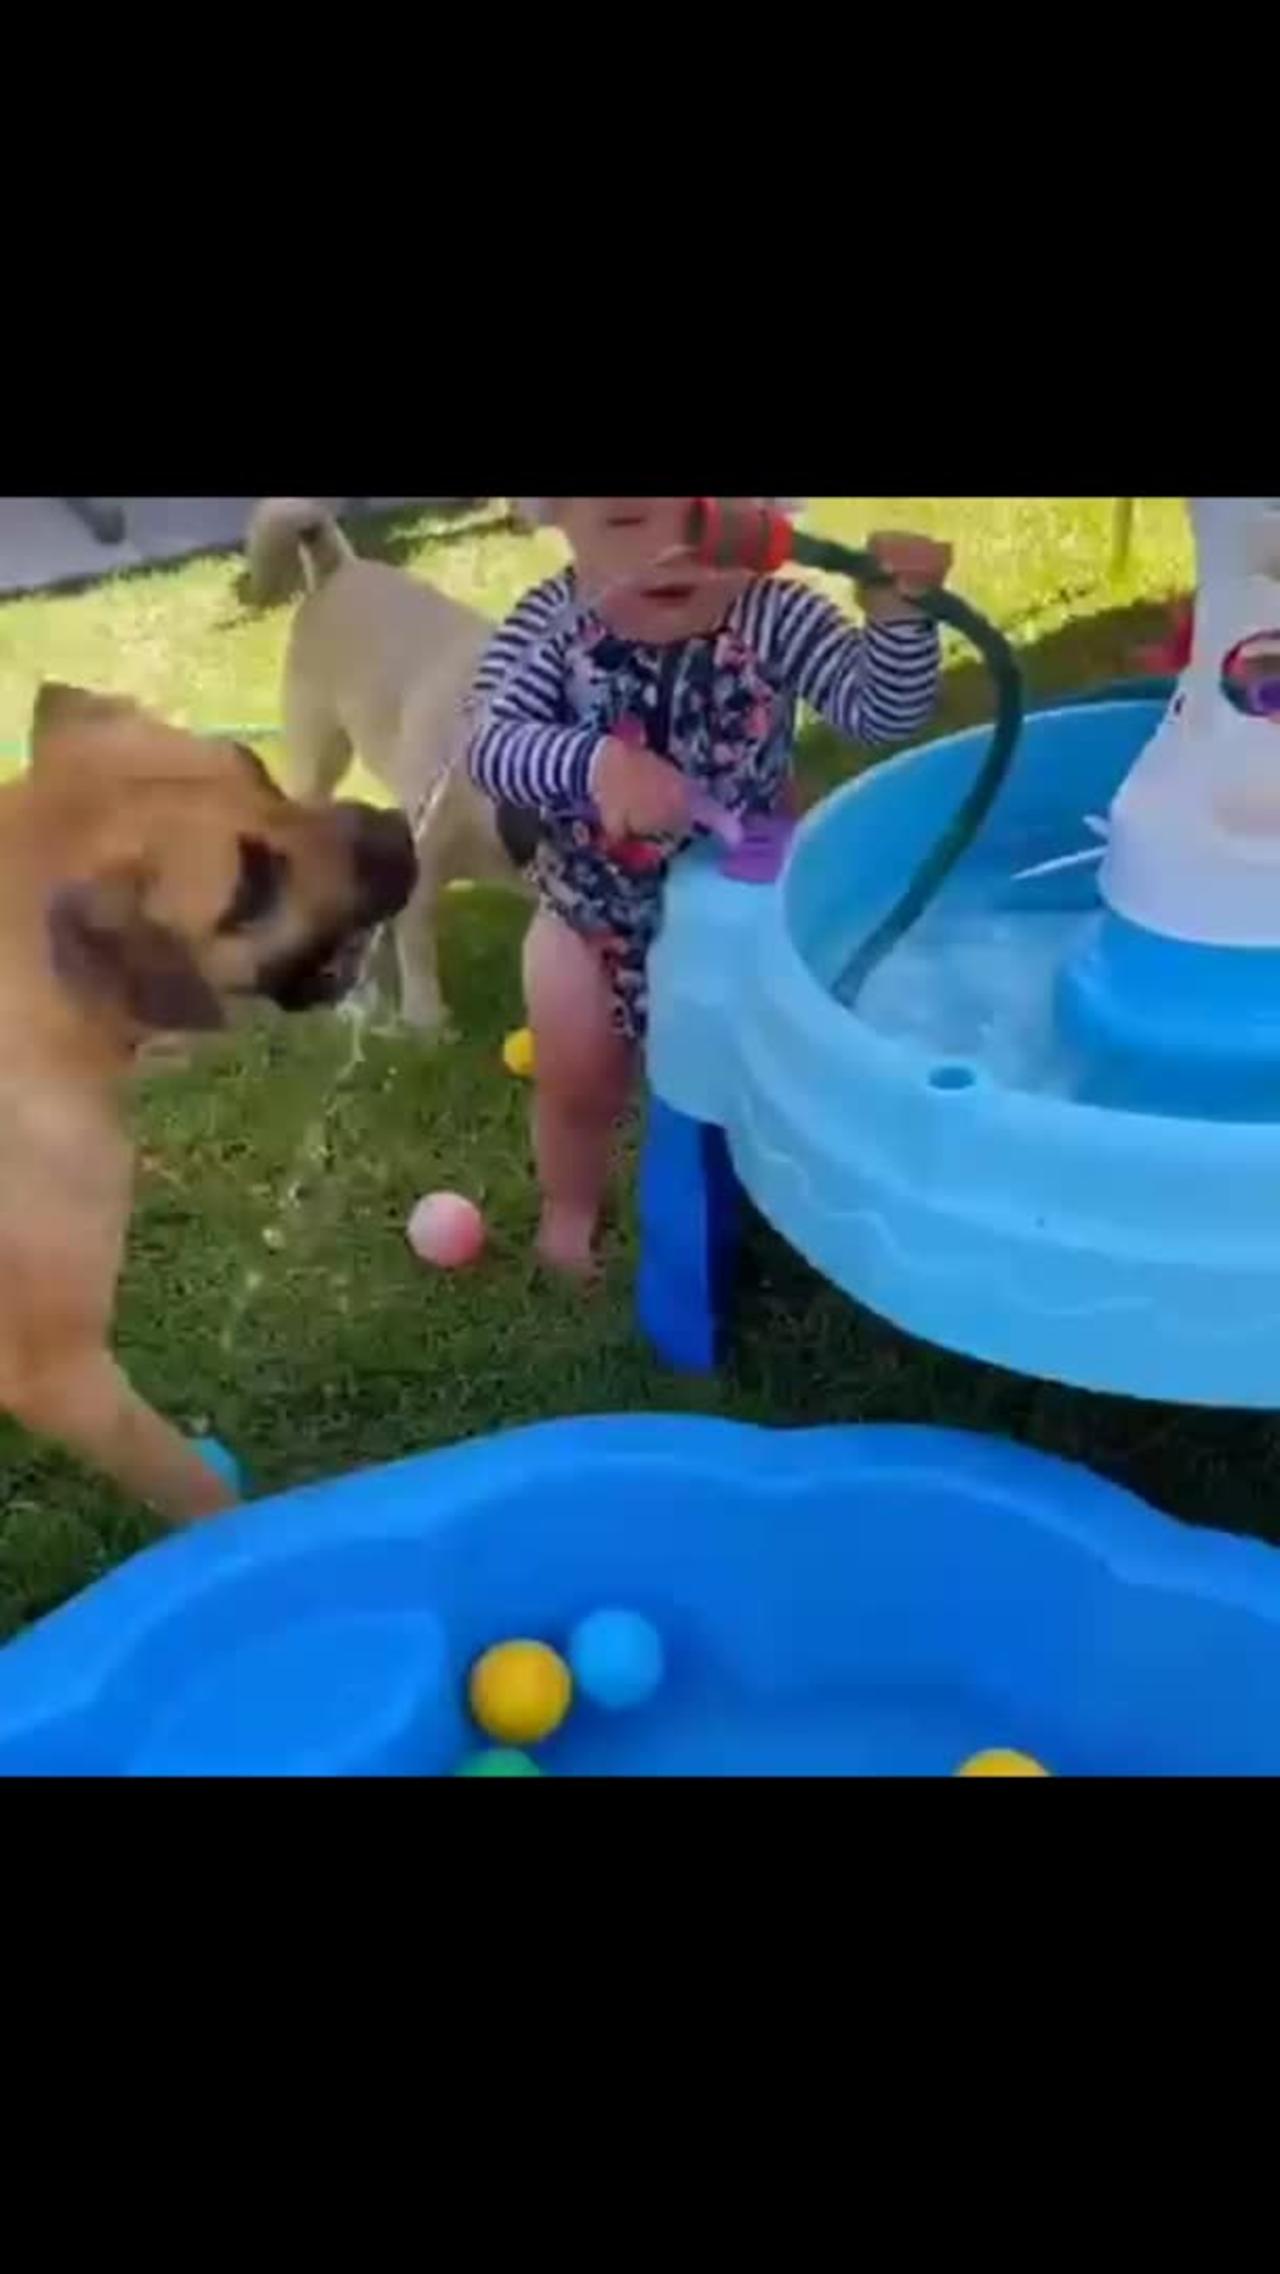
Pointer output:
x,y
943,608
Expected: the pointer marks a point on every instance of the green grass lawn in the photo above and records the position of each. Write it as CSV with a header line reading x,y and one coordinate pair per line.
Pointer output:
x,y
310,1339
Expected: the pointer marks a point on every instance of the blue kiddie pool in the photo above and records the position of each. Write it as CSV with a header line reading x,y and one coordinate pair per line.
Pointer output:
x,y
880,1601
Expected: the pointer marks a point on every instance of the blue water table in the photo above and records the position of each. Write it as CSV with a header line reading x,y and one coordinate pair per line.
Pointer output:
x,y
996,1045
879,1601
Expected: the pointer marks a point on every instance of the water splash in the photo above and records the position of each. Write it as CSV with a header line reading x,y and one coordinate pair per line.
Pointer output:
x,y
1088,857
976,985
357,1013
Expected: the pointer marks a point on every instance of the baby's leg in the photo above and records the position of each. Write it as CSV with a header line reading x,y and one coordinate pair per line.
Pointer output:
x,y
583,1072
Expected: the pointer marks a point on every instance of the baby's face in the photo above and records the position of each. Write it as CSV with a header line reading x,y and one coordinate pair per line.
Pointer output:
x,y
620,541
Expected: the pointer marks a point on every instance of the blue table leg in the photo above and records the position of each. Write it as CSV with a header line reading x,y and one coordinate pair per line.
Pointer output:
x,y
690,1218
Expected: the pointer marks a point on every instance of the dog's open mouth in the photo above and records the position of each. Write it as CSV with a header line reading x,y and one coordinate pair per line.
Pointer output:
x,y
323,975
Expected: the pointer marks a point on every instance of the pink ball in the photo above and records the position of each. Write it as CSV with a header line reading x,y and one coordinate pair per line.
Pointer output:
x,y
447,1230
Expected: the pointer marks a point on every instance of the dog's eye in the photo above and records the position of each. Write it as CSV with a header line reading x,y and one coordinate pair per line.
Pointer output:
x,y
262,875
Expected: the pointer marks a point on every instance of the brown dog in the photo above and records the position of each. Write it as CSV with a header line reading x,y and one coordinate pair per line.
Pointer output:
x,y
147,878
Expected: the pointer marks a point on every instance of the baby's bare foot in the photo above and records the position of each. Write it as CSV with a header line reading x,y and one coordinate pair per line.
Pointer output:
x,y
565,1244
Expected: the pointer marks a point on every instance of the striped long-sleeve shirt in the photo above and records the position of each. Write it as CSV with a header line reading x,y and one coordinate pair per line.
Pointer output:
x,y
553,684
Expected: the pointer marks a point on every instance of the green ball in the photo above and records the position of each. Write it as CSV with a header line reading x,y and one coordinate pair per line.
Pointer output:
x,y
501,1762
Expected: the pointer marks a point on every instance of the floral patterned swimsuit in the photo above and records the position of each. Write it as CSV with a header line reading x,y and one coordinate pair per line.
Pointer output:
x,y
557,682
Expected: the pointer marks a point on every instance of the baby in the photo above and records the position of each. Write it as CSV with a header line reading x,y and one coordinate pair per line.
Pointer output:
x,y
611,693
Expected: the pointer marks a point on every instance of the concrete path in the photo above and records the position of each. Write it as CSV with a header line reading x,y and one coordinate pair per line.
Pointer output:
x,y
44,542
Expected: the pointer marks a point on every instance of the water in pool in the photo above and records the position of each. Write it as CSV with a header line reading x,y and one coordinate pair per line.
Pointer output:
x,y
973,986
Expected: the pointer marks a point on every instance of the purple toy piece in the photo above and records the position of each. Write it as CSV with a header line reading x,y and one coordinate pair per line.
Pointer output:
x,y
764,840
716,820
754,847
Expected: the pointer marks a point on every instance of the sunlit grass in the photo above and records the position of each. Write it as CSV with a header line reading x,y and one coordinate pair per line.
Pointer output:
x,y
349,1352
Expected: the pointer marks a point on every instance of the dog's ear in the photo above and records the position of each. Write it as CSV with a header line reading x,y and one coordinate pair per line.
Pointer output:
x,y
107,951
58,707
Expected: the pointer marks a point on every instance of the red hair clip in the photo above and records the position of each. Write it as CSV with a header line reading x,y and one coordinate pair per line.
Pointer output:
x,y
732,536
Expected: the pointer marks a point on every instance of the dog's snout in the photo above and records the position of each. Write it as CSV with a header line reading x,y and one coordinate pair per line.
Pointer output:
x,y
386,865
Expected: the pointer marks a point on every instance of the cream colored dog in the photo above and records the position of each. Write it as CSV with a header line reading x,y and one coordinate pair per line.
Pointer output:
x,y
148,878
378,666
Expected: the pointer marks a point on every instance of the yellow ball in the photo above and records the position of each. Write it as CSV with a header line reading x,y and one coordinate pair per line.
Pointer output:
x,y
1000,1762
520,1692
517,1053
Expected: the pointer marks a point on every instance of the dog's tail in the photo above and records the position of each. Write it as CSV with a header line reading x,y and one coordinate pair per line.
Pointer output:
x,y
292,542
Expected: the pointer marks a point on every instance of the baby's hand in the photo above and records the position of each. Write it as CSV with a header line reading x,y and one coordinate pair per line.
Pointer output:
x,y
637,794
916,564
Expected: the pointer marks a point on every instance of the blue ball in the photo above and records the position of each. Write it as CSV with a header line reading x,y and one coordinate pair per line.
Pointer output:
x,y
219,1458
616,1658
